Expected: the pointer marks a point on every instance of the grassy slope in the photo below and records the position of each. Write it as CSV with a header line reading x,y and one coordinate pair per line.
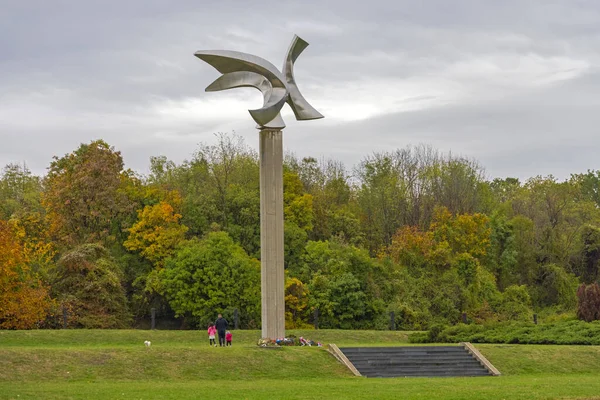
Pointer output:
x,y
543,359
115,364
112,338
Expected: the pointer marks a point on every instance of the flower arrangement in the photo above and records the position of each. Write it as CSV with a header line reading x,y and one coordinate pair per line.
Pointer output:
x,y
288,341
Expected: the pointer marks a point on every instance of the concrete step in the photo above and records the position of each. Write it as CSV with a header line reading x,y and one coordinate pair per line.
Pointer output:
x,y
403,371
447,374
383,364
374,367
456,350
401,357
409,368
414,361
405,349
391,372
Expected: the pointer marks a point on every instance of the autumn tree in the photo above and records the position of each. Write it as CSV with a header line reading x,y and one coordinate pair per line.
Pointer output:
x,y
404,187
24,301
82,195
296,304
411,230
88,283
445,263
32,231
447,238
464,233
157,232
155,236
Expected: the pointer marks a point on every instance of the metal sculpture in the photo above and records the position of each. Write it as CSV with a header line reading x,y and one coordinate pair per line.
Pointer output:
x,y
246,70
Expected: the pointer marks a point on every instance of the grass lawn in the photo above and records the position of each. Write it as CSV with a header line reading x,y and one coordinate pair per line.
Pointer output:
x,y
115,364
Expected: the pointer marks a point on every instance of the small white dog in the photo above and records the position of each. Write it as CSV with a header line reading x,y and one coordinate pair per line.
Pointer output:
x,y
147,343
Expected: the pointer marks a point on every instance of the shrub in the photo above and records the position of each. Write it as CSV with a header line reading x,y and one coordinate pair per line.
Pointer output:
x,y
515,304
566,332
588,308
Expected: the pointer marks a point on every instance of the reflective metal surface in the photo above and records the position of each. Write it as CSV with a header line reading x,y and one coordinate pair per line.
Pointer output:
x,y
246,70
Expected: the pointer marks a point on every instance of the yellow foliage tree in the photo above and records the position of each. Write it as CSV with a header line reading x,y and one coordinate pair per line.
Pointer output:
x,y
448,238
156,233
296,304
297,205
32,232
464,233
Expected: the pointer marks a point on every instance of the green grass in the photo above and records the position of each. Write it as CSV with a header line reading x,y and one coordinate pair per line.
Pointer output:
x,y
117,338
104,364
542,359
526,388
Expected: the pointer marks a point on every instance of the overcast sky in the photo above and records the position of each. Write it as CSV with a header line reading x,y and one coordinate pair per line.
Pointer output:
x,y
513,84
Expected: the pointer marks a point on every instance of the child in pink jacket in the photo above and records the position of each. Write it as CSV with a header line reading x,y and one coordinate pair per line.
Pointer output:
x,y
212,331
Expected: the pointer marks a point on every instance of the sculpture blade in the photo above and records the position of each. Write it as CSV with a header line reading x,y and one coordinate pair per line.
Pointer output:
x,y
274,101
274,98
237,79
301,108
233,61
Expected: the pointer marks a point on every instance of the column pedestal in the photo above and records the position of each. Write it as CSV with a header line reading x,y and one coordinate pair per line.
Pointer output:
x,y
271,234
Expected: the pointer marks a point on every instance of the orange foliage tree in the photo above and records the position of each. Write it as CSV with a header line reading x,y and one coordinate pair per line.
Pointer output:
x,y
24,301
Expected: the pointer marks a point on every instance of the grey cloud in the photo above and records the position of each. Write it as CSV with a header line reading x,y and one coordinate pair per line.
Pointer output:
x,y
554,130
71,72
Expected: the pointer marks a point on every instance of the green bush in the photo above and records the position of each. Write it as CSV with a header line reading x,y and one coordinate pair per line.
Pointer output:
x,y
566,332
213,275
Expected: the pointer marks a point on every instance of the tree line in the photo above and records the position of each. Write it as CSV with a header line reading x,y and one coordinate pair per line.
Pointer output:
x,y
414,231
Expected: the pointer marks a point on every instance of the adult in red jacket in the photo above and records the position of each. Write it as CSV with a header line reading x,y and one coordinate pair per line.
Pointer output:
x,y
221,325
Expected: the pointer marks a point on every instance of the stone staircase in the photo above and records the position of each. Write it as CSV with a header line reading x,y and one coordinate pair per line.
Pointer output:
x,y
412,361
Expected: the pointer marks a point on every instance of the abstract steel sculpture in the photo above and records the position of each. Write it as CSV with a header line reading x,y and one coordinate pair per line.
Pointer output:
x,y
245,70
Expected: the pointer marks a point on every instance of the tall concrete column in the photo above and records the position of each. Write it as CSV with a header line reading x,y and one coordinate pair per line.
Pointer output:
x,y
271,234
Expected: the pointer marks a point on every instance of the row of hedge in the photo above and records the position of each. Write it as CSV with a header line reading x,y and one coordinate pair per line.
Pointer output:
x,y
566,332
